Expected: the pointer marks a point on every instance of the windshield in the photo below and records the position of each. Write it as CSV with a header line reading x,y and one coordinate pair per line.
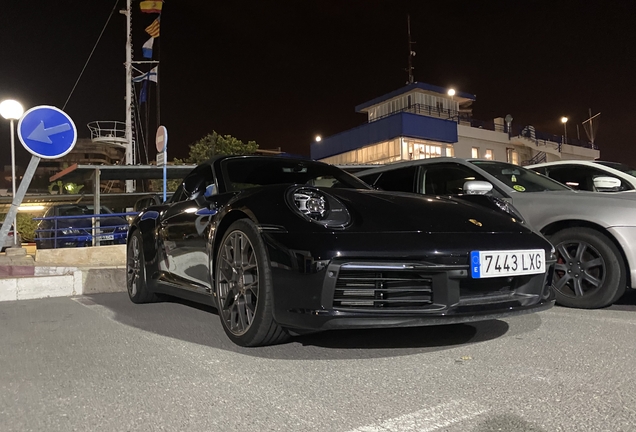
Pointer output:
x,y
518,178
243,173
619,166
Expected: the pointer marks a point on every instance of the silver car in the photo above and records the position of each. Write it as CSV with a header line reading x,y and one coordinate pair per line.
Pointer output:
x,y
594,234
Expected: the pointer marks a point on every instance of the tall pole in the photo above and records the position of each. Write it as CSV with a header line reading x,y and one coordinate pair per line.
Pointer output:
x,y
411,52
15,223
130,155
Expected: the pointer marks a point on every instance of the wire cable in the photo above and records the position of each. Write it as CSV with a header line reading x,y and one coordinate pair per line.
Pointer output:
x,y
91,54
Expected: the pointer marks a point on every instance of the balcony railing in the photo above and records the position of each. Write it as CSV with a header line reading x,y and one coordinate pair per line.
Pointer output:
x,y
540,138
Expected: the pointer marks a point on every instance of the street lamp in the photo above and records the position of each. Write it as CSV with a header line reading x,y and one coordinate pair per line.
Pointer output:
x,y
564,120
12,110
451,93
318,138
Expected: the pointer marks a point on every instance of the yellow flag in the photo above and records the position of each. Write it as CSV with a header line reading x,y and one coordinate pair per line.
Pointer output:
x,y
153,29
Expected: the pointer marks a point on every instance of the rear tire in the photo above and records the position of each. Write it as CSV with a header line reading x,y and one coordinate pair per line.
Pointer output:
x,y
136,272
590,271
244,289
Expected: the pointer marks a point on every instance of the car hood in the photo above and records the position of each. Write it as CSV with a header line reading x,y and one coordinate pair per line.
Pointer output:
x,y
374,211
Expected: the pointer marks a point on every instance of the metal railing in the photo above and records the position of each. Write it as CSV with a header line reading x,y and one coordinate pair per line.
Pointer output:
x,y
540,138
73,236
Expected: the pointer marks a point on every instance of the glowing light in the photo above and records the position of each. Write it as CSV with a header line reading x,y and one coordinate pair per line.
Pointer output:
x,y
318,138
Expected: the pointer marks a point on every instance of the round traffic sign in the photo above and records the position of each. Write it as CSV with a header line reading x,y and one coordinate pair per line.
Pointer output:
x,y
161,139
47,132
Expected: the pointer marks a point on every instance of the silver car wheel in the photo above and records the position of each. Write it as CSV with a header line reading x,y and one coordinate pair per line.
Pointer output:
x,y
237,284
580,269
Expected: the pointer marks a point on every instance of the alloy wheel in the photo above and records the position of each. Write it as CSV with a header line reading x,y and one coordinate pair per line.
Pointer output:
x,y
580,269
237,283
133,266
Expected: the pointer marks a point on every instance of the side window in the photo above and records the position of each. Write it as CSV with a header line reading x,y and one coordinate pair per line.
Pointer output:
x,y
196,182
448,179
540,170
572,176
369,179
402,180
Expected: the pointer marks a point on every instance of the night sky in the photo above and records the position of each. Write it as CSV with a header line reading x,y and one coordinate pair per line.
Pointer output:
x,y
280,72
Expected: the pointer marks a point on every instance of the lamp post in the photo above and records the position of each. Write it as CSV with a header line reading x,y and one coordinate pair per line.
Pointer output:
x,y
12,110
564,120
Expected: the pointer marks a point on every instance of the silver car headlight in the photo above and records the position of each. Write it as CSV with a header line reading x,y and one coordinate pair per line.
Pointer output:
x,y
318,207
508,208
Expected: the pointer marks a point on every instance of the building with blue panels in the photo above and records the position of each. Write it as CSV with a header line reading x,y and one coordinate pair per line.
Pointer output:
x,y
422,121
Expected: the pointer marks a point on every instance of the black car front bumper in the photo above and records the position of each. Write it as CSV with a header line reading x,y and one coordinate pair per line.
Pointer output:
x,y
348,290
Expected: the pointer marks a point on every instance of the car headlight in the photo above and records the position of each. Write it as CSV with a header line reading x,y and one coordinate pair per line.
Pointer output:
x,y
121,229
319,207
70,231
508,208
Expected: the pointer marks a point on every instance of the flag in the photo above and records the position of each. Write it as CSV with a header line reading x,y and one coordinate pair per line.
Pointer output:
x,y
150,76
143,95
146,49
151,6
153,29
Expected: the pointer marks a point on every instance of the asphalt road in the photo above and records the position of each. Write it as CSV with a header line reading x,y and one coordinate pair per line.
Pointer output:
x,y
100,363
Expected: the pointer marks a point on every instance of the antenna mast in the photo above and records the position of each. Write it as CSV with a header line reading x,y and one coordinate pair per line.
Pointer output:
x,y
411,52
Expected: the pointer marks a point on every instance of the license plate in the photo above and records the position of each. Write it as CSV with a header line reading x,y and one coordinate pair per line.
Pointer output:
x,y
487,264
107,237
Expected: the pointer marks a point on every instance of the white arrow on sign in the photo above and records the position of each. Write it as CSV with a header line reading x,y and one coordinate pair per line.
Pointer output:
x,y
42,135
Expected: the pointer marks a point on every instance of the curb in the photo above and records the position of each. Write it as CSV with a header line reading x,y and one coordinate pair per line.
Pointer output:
x,y
63,282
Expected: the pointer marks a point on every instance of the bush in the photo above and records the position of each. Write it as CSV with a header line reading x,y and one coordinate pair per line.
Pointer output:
x,y
26,225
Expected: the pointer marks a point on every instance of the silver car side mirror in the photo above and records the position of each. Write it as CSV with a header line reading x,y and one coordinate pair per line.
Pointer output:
x,y
603,183
477,187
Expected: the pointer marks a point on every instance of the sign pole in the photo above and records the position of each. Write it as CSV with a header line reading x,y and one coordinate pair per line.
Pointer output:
x,y
18,197
161,142
165,177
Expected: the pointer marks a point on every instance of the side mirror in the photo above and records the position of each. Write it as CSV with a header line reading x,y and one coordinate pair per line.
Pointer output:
x,y
477,187
607,184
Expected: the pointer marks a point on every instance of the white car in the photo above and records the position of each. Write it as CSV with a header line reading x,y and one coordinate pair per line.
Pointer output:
x,y
8,242
595,176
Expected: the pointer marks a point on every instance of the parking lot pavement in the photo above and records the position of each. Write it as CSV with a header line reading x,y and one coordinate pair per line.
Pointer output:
x,y
100,363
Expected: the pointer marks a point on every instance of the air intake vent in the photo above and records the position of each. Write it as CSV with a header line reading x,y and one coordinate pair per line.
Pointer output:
x,y
356,289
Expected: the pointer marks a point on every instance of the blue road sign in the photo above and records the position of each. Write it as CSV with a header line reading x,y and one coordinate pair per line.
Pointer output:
x,y
47,132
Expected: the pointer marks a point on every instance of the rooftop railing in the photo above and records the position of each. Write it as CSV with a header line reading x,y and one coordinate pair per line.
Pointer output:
x,y
540,138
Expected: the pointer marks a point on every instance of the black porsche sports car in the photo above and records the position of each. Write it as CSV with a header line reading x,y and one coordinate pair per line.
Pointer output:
x,y
286,246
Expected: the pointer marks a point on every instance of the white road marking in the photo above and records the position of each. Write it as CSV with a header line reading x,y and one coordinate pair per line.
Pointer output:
x,y
428,419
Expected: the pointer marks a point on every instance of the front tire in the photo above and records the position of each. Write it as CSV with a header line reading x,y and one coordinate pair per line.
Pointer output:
x,y
244,288
136,272
590,271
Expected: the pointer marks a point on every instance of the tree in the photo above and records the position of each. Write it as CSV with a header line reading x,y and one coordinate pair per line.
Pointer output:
x,y
215,144
205,148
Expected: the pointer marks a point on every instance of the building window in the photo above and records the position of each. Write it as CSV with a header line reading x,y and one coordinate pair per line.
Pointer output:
x,y
488,154
475,152
512,156
450,151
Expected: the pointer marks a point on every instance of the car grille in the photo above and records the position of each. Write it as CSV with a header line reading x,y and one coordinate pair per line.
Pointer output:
x,y
382,289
